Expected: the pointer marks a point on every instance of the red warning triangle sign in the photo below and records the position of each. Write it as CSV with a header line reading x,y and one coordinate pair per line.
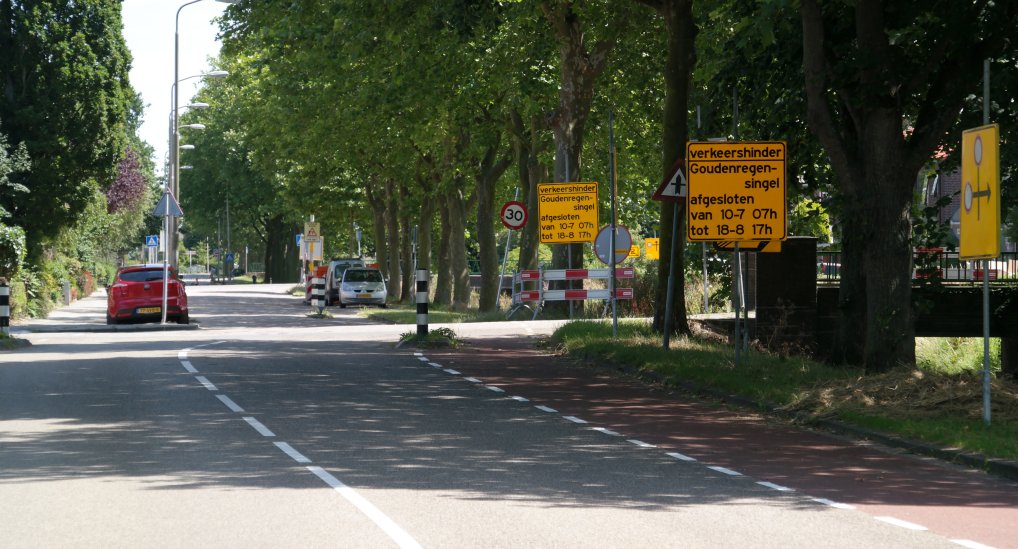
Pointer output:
x,y
673,186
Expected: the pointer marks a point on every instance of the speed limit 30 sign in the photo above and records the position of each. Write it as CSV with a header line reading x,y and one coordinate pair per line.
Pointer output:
x,y
514,215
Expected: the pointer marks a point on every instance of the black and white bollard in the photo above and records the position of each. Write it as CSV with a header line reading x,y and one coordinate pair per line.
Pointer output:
x,y
5,308
318,293
422,302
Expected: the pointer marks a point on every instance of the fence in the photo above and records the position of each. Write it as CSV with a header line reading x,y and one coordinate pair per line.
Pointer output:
x,y
935,264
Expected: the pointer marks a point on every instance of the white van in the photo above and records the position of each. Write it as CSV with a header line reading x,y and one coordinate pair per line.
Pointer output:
x,y
337,266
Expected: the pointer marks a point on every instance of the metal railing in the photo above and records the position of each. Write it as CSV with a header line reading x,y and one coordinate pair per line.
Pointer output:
x,y
934,264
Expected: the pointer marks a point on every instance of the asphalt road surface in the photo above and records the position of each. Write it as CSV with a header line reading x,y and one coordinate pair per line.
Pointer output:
x,y
268,428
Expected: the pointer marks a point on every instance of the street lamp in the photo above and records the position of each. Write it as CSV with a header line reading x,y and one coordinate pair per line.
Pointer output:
x,y
173,182
171,237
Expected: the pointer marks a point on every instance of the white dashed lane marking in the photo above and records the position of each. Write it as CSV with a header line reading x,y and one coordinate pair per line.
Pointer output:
x,y
773,486
574,419
724,470
679,456
189,367
233,406
262,430
641,443
451,371
606,431
208,384
495,389
970,544
288,450
546,409
834,504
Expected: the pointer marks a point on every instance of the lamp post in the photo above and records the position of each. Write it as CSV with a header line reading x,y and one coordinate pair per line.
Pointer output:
x,y
171,236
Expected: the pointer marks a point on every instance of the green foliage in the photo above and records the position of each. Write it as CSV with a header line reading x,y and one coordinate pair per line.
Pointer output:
x,y
12,250
809,218
11,163
64,93
437,337
955,355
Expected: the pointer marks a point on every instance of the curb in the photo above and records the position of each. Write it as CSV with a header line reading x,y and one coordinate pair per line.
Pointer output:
x,y
99,328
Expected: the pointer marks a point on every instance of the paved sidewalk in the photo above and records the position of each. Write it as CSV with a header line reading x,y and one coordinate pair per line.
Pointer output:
x,y
952,501
87,314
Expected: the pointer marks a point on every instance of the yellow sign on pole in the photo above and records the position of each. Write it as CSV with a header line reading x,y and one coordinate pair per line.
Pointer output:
x,y
653,248
736,190
567,212
980,193
634,251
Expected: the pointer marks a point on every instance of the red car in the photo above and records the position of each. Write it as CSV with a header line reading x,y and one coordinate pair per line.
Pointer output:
x,y
137,294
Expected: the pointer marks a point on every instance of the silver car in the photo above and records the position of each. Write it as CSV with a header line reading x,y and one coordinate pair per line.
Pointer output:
x,y
362,286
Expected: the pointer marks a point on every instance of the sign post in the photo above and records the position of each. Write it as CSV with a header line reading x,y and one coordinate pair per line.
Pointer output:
x,y
673,188
980,220
737,191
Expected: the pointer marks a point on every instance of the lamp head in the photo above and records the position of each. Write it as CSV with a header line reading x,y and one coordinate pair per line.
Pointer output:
x,y
194,126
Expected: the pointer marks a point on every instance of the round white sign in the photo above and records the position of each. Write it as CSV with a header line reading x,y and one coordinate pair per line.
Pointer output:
x,y
514,215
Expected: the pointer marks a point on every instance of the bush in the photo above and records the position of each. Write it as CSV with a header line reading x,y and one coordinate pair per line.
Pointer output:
x,y
12,250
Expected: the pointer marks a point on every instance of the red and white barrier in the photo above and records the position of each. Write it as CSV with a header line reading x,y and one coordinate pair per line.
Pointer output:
x,y
541,277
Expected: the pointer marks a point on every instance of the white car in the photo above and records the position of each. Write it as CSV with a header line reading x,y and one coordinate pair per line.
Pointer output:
x,y
335,276
362,286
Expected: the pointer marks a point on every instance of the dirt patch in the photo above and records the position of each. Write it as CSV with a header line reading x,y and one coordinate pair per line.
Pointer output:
x,y
912,393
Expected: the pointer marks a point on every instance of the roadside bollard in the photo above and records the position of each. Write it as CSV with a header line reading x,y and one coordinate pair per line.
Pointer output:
x,y
318,293
422,302
5,307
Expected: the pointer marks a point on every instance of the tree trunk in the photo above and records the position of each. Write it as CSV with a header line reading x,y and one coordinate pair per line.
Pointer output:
x,y
459,270
491,169
578,72
406,254
443,283
530,173
282,261
678,17
377,201
392,259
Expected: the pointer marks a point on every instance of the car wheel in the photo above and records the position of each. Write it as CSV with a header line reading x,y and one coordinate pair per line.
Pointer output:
x,y
384,305
183,319
341,304
110,320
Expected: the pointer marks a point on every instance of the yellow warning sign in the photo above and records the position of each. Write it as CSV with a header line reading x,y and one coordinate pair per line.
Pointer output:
x,y
980,193
736,190
567,212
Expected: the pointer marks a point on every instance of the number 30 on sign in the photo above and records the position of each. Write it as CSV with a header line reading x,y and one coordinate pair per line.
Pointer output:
x,y
514,215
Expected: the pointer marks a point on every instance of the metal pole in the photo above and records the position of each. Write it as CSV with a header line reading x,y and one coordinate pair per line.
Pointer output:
x,y
505,256
670,292
614,231
738,304
986,271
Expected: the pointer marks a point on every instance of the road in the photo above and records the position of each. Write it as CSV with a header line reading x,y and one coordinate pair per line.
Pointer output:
x,y
270,428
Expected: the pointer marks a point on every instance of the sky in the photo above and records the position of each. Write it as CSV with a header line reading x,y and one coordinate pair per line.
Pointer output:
x,y
148,29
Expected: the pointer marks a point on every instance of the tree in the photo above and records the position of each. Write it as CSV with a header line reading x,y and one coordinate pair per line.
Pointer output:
x,y
65,94
885,81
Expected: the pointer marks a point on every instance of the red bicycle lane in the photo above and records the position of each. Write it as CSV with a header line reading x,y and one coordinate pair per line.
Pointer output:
x,y
971,507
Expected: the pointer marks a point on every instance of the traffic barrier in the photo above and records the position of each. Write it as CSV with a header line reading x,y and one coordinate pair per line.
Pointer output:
x,y
522,296
5,308
422,302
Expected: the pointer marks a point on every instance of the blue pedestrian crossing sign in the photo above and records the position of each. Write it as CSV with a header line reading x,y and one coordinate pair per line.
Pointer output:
x,y
152,241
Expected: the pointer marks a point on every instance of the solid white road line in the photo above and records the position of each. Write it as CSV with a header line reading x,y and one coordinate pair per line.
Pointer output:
x,y
208,384
262,430
725,471
546,409
834,504
189,367
606,431
901,523
773,486
641,443
682,457
574,419
397,534
451,371
230,403
288,450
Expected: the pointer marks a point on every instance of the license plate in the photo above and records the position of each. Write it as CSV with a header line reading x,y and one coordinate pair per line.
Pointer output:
x,y
149,310
363,296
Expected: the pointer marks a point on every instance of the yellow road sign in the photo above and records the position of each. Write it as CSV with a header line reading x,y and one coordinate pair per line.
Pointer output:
x,y
567,212
736,190
653,248
980,193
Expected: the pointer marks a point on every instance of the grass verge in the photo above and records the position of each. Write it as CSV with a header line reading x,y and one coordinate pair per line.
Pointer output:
x,y
407,314
941,406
